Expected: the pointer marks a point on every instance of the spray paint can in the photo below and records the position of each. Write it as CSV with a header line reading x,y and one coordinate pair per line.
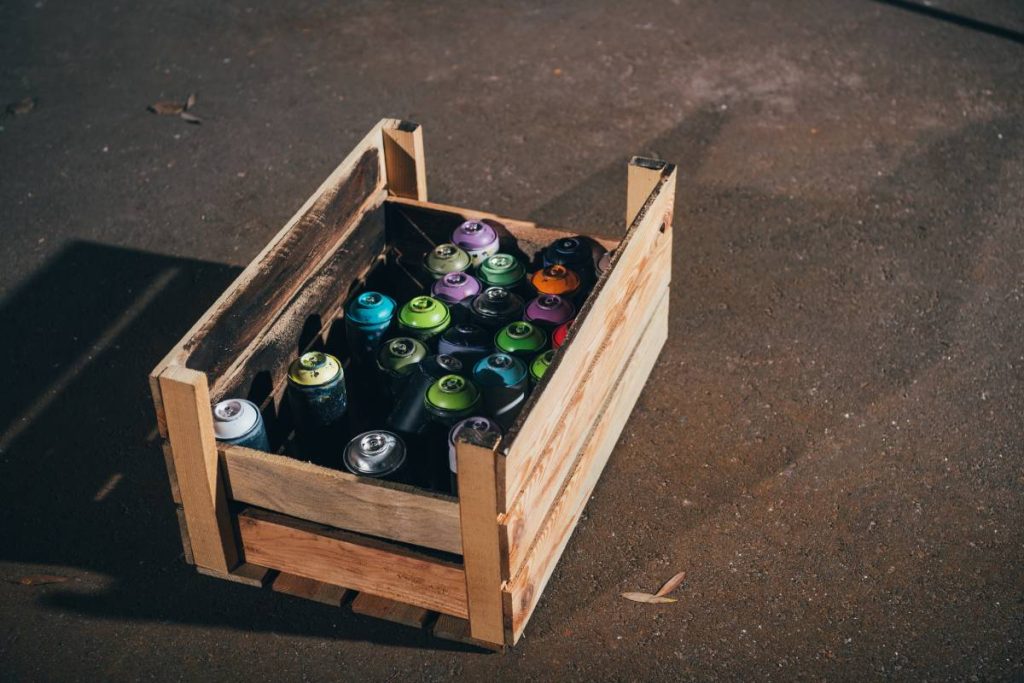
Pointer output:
x,y
495,307
467,342
423,317
549,311
457,291
397,359
450,399
572,252
501,270
379,454
367,320
238,422
409,415
503,380
520,339
540,365
476,238
558,280
559,335
445,258
604,264
479,424
318,401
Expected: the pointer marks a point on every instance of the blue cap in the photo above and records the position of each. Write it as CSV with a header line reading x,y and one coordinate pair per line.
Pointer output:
x,y
370,309
499,370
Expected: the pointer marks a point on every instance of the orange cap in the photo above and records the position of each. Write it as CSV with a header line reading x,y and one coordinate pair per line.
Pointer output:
x,y
556,279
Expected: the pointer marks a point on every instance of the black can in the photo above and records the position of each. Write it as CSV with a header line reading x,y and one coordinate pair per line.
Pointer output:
x,y
495,307
409,415
504,382
467,342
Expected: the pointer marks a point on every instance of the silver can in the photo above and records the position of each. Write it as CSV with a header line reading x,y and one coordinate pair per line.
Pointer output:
x,y
377,454
238,422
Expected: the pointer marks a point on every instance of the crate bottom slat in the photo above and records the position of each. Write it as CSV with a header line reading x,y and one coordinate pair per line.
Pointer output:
x,y
391,610
310,589
245,573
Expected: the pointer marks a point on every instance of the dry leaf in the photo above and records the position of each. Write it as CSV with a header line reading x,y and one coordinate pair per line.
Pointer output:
x,y
672,584
648,598
22,106
191,118
40,579
167,108
190,102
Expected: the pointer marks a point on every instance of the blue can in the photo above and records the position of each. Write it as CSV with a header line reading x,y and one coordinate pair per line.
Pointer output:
x,y
504,381
367,320
238,422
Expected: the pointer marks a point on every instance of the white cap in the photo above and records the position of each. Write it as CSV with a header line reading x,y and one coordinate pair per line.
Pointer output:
x,y
234,418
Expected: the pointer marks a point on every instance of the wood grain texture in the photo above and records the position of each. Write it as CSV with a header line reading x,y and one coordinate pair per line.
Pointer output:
x,y
245,574
523,591
475,455
404,161
317,591
194,451
332,556
390,610
342,500
186,544
590,389
172,476
642,177
554,417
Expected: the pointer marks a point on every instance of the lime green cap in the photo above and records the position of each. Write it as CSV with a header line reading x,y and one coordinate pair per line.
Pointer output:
x,y
424,313
314,369
501,270
540,364
520,338
452,394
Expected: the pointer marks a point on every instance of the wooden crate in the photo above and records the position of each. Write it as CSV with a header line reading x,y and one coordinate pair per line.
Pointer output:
x,y
480,561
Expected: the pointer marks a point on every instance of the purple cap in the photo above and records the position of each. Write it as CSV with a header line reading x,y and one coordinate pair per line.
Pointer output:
x,y
549,309
454,288
475,236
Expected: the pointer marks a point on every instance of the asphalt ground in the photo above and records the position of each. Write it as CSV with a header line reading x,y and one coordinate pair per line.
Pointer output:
x,y
830,444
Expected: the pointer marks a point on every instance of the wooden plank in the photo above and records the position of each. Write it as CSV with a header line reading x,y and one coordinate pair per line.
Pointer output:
x,y
337,557
553,421
339,499
186,544
194,450
220,337
528,511
641,179
475,455
390,610
317,591
447,627
172,476
523,591
405,162
245,574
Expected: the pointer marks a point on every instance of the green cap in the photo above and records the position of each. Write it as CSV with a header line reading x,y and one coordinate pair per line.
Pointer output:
x,y
314,369
446,258
452,394
520,339
401,355
540,364
501,270
424,317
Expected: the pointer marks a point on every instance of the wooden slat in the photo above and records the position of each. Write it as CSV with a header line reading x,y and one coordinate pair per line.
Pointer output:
x,y
245,574
194,450
643,176
390,610
524,590
332,556
475,454
220,338
554,419
317,591
342,500
455,629
172,476
528,511
405,162
186,544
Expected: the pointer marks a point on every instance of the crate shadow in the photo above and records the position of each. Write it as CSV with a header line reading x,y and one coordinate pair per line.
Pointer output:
x,y
83,478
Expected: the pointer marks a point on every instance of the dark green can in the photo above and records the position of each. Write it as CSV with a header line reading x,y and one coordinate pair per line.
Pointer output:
x,y
444,259
502,270
521,339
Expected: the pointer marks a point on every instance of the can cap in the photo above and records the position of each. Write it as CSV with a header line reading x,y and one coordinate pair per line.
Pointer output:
x,y
455,287
446,258
424,313
479,424
550,310
234,418
474,235
501,270
374,454
499,370
401,354
556,279
540,364
452,393
559,335
370,309
313,369
495,302
520,337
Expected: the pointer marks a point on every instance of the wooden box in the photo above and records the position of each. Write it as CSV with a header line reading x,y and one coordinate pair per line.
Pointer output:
x,y
480,561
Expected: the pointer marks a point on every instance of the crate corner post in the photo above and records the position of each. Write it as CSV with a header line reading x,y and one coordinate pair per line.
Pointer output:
x,y
186,402
476,461
404,160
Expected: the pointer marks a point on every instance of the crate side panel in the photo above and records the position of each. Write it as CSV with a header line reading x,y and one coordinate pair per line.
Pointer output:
x,y
524,590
